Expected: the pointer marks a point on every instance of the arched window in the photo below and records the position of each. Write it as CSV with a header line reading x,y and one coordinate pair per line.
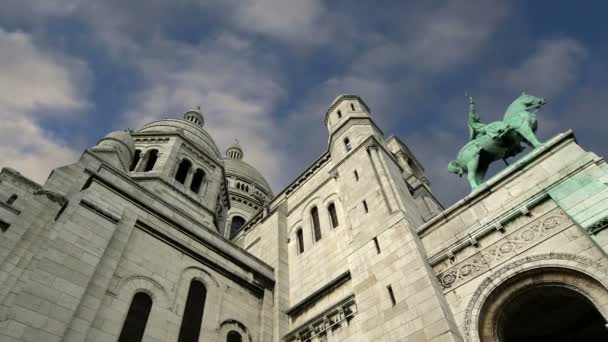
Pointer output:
x,y
316,227
11,199
182,170
352,107
300,241
136,159
193,312
137,317
236,224
347,144
339,114
234,336
197,180
151,160
333,216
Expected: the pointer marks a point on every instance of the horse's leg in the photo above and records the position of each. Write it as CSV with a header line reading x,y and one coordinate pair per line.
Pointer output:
x,y
472,172
528,134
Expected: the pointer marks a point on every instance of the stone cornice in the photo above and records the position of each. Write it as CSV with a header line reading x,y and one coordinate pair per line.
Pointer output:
x,y
8,172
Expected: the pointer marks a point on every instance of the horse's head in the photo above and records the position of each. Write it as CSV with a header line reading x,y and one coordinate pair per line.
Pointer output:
x,y
530,102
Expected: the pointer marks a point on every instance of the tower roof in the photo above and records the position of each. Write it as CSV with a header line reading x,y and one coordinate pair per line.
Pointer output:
x,y
341,98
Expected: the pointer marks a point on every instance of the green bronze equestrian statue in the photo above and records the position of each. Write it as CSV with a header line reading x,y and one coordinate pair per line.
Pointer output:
x,y
497,140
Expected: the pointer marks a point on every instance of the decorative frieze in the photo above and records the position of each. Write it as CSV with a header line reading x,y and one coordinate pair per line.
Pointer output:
x,y
511,245
326,322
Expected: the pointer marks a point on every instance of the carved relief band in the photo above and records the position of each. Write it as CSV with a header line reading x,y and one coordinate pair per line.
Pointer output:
x,y
511,245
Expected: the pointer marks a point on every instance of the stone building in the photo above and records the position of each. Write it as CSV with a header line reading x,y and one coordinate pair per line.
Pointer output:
x,y
154,235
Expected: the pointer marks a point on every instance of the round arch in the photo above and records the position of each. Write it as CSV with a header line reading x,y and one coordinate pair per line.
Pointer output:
x,y
564,275
232,325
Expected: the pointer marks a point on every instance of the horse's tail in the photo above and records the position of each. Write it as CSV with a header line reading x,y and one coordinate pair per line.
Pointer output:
x,y
455,167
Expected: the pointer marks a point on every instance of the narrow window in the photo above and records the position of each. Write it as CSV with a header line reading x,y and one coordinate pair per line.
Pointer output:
x,y
236,224
300,238
137,317
197,180
234,336
193,313
391,295
11,199
152,157
182,170
339,114
377,245
4,226
365,207
347,144
356,176
331,209
352,107
314,216
136,159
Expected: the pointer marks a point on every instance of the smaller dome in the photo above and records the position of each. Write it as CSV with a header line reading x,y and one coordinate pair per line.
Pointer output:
x,y
195,116
234,151
122,142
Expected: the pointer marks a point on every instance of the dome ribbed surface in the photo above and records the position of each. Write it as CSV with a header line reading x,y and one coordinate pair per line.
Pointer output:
x,y
193,132
241,169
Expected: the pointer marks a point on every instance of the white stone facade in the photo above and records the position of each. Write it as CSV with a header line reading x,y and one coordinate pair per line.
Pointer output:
x,y
356,248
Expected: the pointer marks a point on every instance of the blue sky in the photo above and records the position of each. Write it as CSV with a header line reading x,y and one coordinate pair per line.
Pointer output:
x,y
265,72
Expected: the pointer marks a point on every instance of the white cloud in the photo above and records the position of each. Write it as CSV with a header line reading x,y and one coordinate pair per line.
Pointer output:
x,y
551,68
36,84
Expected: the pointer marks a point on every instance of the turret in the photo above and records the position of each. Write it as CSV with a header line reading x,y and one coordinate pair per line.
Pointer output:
x,y
349,123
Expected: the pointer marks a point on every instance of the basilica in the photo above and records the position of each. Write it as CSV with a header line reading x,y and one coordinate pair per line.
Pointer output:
x,y
157,235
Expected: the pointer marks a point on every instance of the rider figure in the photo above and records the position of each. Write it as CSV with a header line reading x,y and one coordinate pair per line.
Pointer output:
x,y
476,127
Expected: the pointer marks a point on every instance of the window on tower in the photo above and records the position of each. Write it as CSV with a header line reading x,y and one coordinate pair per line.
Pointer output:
x,y
193,312
234,336
316,226
352,107
151,160
11,199
333,216
347,144
300,240
236,224
339,113
136,159
137,317
197,180
182,170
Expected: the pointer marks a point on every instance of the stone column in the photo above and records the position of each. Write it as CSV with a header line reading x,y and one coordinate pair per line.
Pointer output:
x,y
383,177
188,181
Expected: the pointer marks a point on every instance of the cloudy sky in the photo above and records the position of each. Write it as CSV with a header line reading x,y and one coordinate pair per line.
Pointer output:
x,y
265,71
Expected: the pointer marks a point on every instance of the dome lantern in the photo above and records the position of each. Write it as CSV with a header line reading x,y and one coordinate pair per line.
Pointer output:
x,y
195,116
234,151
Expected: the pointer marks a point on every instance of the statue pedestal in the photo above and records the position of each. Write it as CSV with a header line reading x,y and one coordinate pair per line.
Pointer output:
x,y
551,203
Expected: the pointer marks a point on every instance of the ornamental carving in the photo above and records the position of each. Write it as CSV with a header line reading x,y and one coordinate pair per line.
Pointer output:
x,y
508,247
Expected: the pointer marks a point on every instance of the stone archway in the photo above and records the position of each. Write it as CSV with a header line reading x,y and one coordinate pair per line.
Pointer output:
x,y
529,298
544,304
549,312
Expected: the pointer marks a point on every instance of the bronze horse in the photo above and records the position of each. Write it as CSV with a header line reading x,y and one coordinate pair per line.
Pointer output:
x,y
497,140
